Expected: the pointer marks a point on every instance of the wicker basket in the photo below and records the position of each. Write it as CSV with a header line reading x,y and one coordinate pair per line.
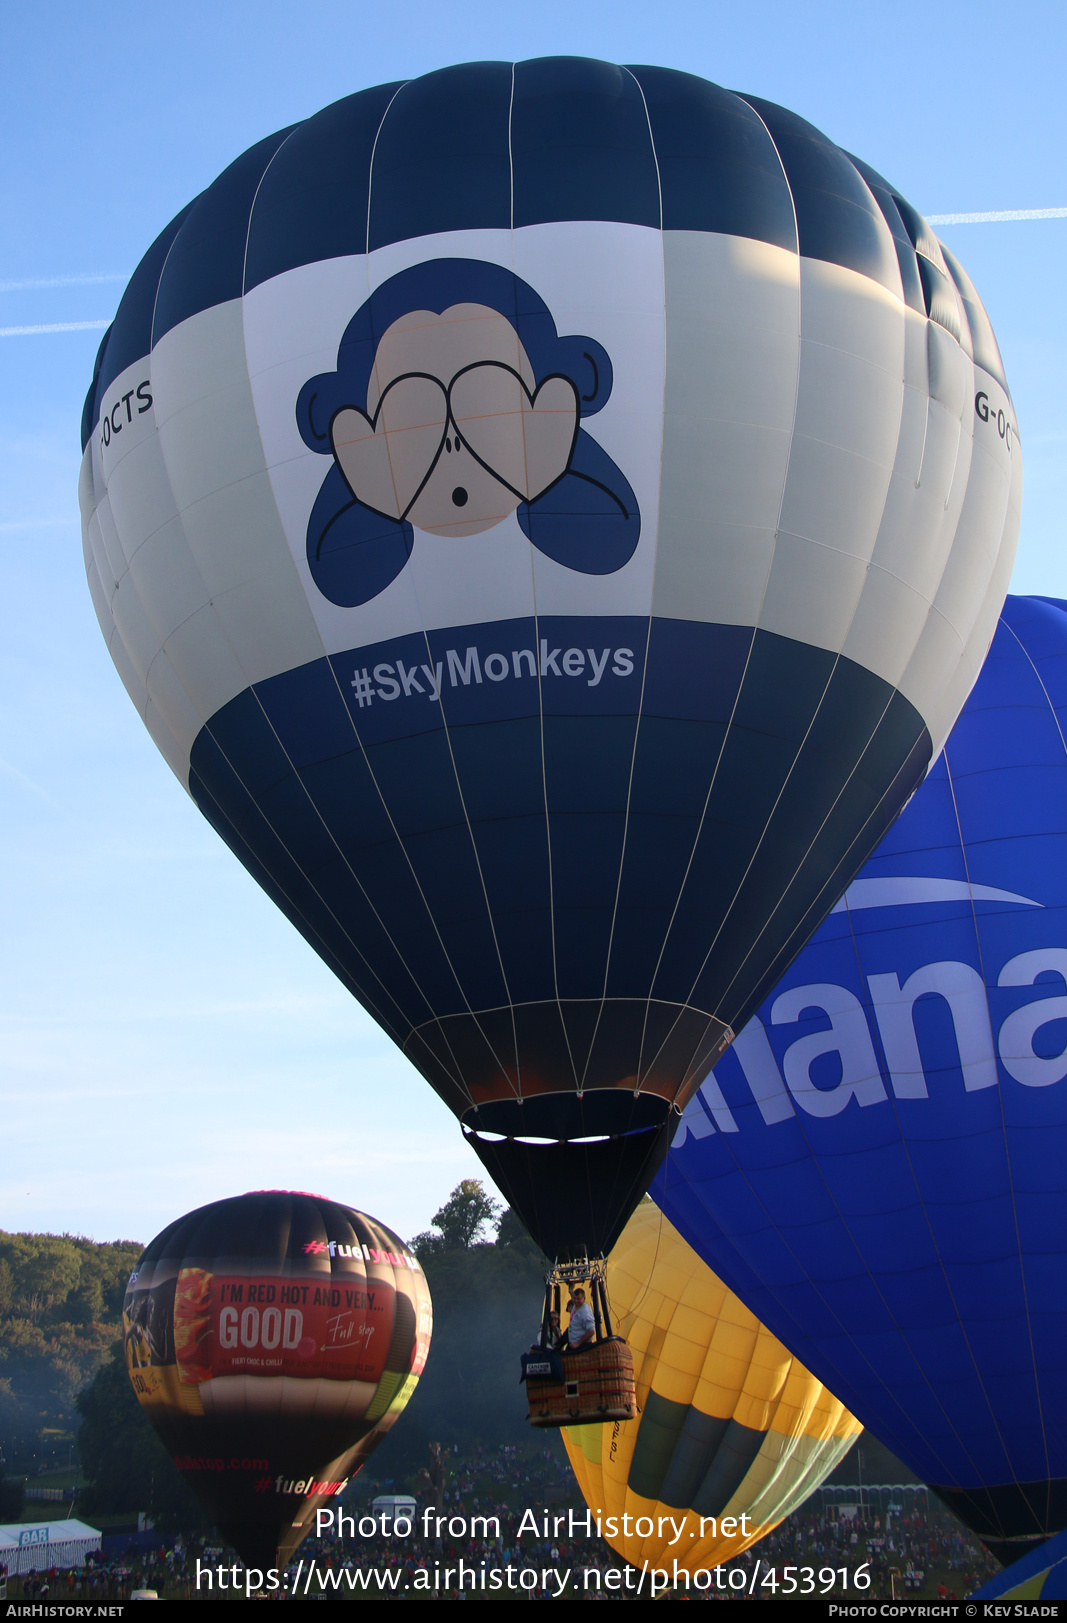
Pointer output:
x,y
598,1385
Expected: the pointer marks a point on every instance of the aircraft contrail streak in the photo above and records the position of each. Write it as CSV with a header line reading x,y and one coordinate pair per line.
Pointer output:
x,y
54,326
61,281
997,214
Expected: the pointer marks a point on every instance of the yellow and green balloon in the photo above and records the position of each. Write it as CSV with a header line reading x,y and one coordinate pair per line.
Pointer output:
x,y
731,1425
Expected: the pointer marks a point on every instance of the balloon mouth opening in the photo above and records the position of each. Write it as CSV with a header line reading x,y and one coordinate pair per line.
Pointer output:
x,y
527,1138
599,1116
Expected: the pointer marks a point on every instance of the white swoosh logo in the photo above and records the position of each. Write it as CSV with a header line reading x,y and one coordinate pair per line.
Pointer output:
x,y
906,892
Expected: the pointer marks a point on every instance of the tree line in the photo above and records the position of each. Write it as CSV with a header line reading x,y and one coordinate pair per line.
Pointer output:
x,y
60,1314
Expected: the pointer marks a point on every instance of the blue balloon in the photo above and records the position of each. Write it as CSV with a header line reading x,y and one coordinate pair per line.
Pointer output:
x,y
878,1166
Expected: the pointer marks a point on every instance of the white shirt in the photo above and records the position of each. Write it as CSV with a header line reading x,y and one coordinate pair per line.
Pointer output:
x,y
581,1323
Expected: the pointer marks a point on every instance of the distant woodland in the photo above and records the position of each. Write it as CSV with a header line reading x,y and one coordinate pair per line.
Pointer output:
x,y
60,1315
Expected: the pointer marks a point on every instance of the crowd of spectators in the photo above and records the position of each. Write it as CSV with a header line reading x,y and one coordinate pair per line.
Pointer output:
x,y
909,1545
102,1579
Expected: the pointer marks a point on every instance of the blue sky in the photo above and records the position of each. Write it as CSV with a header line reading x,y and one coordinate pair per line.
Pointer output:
x,y
167,1038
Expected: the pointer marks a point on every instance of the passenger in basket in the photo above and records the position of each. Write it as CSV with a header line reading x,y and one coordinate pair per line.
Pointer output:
x,y
580,1328
554,1339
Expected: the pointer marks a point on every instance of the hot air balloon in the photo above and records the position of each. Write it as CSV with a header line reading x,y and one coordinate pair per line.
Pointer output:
x,y
272,1340
1039,1576
549,516
734,1433
879,1166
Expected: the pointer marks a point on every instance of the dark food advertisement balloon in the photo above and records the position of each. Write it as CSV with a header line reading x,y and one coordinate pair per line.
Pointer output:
x,y
879,1166
272,1340
549,515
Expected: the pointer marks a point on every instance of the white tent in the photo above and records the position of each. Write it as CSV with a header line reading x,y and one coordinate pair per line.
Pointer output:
x,y
36,1546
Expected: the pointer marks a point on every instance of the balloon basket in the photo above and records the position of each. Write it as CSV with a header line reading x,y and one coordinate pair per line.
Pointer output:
x,y
591,1385
597,1386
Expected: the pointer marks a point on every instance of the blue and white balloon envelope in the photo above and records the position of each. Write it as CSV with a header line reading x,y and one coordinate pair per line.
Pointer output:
x,y
549,515
878,1165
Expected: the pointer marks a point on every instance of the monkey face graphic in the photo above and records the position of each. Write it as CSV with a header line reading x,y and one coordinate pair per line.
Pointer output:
x,y
455,433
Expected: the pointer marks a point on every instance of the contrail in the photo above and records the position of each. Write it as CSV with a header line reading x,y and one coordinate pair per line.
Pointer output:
x,y
55,326
5,766
997,214
61,281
